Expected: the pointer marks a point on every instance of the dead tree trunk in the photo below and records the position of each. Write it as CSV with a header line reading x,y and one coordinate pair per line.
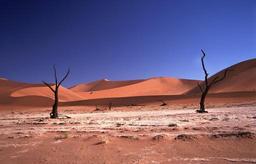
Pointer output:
x,y
110,105
54,113
207,85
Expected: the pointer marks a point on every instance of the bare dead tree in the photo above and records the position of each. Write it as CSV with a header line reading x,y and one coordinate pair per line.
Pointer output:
x,y
110,105
54,113
206,85
163,103
97,108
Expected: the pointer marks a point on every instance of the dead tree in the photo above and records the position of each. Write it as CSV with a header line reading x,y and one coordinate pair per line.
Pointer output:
x,y
110,105
163,103
55,90
206,85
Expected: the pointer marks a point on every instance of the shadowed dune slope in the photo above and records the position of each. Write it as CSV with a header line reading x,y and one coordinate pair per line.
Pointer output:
x,y
152,86
240,78
64,93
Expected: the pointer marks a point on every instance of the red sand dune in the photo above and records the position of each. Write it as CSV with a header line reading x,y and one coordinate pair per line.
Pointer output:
x,y
152,86
240,78
240,81
18,93
239,86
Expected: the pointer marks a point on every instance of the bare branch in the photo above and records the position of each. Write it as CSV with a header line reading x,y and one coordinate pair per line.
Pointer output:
x,y
48,85
201,89
64,77
217,79
213,81
55,75
205,71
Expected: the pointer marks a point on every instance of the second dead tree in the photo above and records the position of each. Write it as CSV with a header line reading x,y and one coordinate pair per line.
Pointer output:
x,y
206,85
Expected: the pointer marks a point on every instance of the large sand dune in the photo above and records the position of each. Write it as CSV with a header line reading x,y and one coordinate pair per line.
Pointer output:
x,y
238,86
239,81
148,87
241,77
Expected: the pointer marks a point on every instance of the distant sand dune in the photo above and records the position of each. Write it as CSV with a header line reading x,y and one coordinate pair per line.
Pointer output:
x,y
152,86
102,85
240,81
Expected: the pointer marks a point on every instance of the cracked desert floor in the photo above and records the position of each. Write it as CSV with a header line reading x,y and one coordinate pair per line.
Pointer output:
x,y
132,134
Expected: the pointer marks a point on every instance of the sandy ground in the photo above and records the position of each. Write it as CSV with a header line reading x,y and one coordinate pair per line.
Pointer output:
x,y
139,135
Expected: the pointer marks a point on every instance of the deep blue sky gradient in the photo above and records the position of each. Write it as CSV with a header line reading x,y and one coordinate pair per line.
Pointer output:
x,y
123,39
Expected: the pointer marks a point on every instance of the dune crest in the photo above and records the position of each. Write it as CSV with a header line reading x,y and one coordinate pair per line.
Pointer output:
x,y
102,85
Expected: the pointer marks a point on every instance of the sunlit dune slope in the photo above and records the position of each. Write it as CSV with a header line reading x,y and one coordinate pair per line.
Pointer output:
x,y
240,78
152,86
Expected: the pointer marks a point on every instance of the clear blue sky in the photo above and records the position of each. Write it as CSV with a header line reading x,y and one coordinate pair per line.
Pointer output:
x,y
123,39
